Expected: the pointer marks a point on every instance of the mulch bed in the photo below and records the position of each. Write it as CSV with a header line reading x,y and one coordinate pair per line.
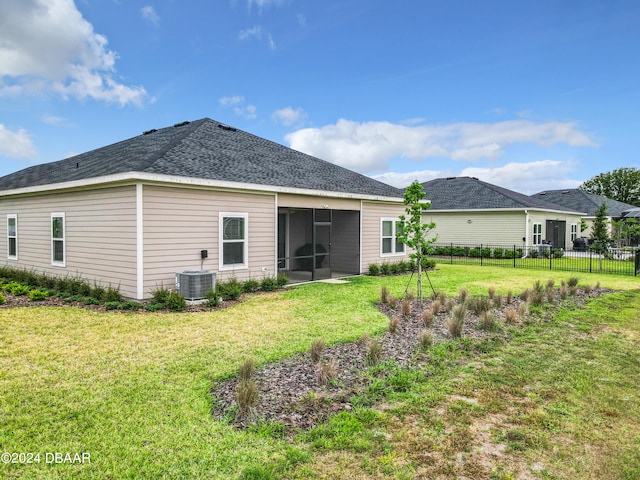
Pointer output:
x,y
290,392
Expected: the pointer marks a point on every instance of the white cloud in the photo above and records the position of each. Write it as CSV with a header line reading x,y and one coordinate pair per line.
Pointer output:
x,y
402,180
262,4
289,116
52,120
15,144
239,106
150,15
46,45
369,146
258,34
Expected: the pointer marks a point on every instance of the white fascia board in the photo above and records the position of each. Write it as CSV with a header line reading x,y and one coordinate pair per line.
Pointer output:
x,y
189,181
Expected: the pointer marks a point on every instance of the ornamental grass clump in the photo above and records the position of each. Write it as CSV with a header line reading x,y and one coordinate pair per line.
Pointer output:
x,y
316,350
435,307
455,323
477,305
405,308
425,341
245,371
491,292
384,295
247,397
572,282
509,298
393,324
463,293
523,310
427,318
327,372
487,321
510,315
374,352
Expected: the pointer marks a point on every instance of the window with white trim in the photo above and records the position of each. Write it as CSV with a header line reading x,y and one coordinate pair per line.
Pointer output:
x,y
12,236
233,241
390,229
537,233
58,247
574,231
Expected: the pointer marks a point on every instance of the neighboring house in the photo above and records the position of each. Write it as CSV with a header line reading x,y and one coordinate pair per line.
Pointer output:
x,y
197,195
468,211
577,199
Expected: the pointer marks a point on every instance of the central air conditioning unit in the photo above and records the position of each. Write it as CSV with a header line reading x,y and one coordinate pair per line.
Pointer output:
x,y
194,284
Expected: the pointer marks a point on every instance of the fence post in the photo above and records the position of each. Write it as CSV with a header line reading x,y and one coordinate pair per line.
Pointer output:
x,y
550,258
480,254
590,260
451,252
514,256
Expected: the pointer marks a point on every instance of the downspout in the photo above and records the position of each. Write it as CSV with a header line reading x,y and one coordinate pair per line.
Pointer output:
x,y
139,243
526,231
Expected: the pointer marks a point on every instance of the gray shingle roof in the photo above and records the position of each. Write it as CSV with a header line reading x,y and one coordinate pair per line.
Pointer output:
x,y
577,199
209,150
468,193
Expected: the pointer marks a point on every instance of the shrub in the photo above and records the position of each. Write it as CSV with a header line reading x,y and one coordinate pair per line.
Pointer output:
x,y
316,350
474,252
213,300
498,252
176,302
112,305
112,294
37,295
131,305
425,340
230,290
154,307
91,301
250,286
327,372
393,324
558,253
282,280
96,292
385,269
160,294
268,284
455,323
374,269
374,352
18,289
3,299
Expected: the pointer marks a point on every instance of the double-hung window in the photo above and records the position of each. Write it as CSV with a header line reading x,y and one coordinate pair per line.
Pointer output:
x,y
58,249
233,241
391,229
537,233
12,236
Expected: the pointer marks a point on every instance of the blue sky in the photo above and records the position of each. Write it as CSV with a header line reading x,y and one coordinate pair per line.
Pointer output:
x,y
528,95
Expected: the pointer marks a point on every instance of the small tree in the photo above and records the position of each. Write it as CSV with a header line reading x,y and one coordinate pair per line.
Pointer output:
x,y
600,239
413,230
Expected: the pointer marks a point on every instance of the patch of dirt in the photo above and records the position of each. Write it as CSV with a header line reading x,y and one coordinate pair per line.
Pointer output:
x,y
291,394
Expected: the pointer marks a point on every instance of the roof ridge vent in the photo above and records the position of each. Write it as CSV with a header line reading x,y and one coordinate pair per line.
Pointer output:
x,y
147,132
229,128
451,178
181,124
564,192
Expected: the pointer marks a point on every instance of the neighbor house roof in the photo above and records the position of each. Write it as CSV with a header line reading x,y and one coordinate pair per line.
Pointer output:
x,y
203,149
469,193
577,199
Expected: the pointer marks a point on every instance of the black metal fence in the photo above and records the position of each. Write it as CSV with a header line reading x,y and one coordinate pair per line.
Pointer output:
x,y
615,261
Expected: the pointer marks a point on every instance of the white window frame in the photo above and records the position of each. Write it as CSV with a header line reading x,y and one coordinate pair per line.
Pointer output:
x,y
393,237
63,239
12,216
574,231
537,236
221,241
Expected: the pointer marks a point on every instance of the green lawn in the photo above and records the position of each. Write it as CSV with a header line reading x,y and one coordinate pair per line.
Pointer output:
x,y
132,390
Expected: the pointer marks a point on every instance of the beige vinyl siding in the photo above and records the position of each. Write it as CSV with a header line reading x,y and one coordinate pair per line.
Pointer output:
x,y
100,234
542,217
372,214
303,201
180,222
471,228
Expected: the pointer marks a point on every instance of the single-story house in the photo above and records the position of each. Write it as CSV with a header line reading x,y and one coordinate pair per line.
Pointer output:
x,y
468,211
196,196
577,199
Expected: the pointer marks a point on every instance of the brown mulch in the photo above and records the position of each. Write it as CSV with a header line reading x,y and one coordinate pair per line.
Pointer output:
x,y
290,392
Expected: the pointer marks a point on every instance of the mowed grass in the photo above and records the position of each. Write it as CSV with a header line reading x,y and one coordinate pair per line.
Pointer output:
x,y
134,390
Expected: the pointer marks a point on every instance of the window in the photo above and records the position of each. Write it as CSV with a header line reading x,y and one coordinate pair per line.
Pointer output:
x,y
12,237
233,241
58,254
574,231
537,233
391,228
